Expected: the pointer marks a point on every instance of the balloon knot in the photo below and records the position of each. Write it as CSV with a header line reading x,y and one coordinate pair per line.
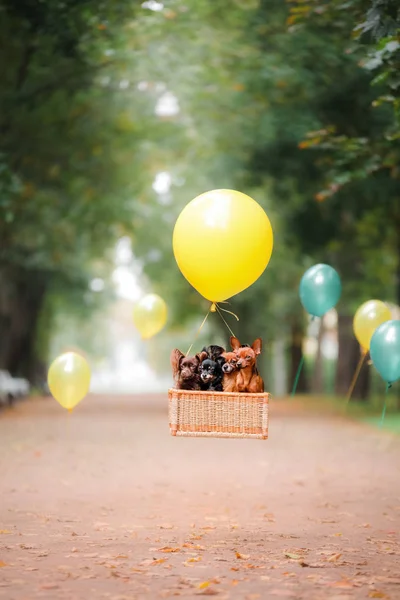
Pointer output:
x,y
213,307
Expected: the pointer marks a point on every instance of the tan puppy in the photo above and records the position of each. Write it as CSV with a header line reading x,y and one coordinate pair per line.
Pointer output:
x,y
248,377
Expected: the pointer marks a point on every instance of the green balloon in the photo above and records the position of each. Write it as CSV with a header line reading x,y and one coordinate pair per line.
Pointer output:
x,y
320,289
385,350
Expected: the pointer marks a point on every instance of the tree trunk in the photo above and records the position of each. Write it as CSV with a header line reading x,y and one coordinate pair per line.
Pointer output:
x,y
296,354
22,295
348,358
279,368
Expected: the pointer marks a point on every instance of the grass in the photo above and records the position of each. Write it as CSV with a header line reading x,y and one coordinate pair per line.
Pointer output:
x,y
391,422
367,412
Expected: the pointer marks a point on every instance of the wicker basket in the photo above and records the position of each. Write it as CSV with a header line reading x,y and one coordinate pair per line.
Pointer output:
x,y
218,414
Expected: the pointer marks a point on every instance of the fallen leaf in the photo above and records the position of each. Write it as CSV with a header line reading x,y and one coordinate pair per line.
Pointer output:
x,y
189,562
119,556
208,592
208,528
377,594
168,550
343,583
3,564
234,581
242,556
4,531
158,561
194,559
204,585
49,586
334,557
166,526
292,556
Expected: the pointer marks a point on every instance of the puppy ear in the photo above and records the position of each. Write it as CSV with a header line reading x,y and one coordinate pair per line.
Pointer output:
x,y
202,356
220,360
175,358
235,344
257,346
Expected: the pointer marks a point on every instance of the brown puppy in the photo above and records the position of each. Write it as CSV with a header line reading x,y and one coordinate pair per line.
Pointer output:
x,y
230,371
185,370
248,378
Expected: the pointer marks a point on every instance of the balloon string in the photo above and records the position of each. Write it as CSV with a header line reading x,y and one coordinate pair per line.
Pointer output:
x,y
218,308
356,375
388,386
300,367
296,379
198,332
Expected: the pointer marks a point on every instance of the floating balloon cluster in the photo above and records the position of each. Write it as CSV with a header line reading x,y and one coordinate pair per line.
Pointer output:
x,y
320,290
222,242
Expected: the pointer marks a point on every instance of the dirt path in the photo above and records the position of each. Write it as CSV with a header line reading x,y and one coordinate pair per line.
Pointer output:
x,y
106,505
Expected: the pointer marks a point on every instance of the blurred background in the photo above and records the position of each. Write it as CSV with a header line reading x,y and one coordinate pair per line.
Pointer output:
x,y
114,115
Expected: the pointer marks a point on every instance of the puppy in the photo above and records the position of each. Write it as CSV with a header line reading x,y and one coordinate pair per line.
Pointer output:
x,y
211,374
185,370
248,378
214,352
230,372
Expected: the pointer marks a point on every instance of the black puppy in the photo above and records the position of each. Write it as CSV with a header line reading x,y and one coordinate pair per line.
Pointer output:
x,y
211,374
214,352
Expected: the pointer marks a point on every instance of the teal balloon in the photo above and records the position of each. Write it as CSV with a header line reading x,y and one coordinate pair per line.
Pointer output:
x,y
385,350
320,289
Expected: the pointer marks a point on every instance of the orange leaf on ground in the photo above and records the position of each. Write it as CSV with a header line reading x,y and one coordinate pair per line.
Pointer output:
x,y
158,561
189,562
4,531
334,557
377,594
343,583
3,564
168,550
204,585
242,556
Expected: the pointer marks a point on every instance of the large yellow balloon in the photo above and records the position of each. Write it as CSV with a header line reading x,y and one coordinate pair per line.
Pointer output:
x,y
368,317
150,315
222,243
69,379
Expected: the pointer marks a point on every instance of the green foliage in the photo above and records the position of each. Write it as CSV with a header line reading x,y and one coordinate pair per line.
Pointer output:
x,y
289,102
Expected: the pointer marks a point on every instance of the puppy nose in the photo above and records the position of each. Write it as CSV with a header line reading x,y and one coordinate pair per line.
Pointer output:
x,y
239,364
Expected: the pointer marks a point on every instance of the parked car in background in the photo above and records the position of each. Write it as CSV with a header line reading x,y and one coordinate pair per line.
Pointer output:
x,y
12,388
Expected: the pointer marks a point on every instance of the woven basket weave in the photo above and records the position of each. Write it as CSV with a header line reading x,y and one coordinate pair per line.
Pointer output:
x,y
218,414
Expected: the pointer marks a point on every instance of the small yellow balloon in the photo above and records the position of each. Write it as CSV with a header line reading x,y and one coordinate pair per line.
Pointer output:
x,y
368,317
69,379
150,315
222,243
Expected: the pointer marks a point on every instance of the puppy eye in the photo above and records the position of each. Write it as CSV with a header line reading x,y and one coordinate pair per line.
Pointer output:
x,y
248,357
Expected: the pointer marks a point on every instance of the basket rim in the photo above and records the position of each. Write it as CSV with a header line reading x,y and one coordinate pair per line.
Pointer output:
x,y
211,392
